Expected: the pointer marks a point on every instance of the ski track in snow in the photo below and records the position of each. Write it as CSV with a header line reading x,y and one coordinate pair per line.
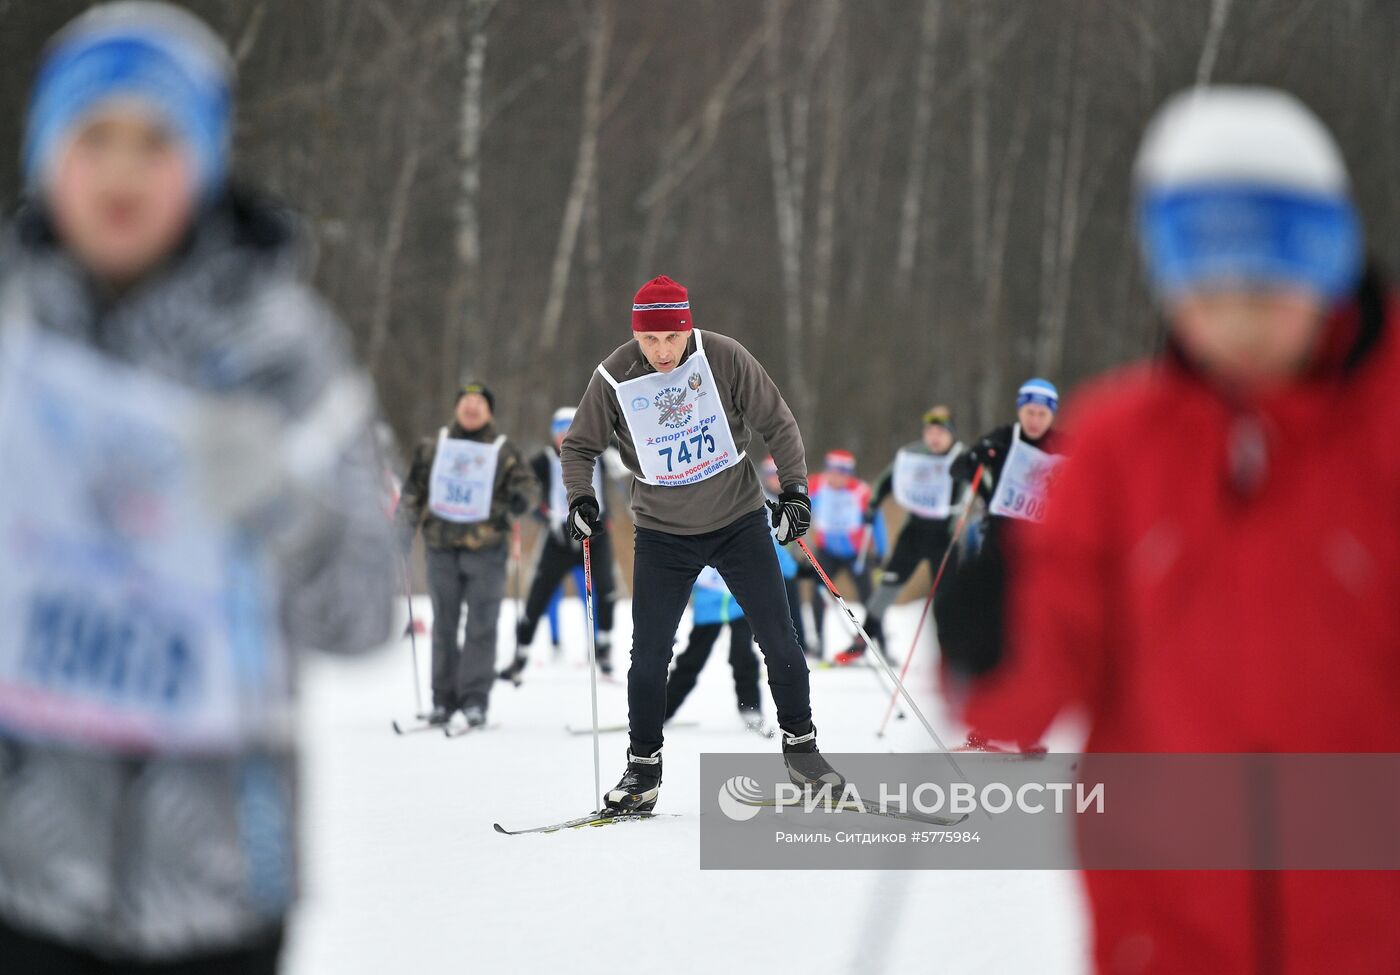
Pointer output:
x,y
403,872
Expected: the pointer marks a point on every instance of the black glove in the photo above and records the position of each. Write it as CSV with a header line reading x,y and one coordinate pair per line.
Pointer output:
x,y
965,465
517,505
870,515
792,516
583,518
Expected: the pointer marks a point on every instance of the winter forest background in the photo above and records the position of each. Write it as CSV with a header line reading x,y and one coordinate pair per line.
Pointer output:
x,y
891,202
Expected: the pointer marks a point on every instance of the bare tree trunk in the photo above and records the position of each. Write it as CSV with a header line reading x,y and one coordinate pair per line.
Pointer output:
x,y
788,154
824,245
977,141
248,38
1054,187
996,351
787,208
687,148
593,258
866,220
392,245
1210,48
599,34
464,294
1064,198
909,216
1052,348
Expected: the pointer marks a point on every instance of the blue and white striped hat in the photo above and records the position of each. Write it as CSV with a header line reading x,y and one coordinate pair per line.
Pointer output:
x,y
1245,188
562,420
1039,391
153,55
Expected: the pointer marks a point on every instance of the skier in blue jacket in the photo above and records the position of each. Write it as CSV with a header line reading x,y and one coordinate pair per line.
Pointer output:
x,y
713,607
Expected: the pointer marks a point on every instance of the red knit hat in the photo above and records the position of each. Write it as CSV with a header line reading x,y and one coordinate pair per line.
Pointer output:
x,y
661,305
841,460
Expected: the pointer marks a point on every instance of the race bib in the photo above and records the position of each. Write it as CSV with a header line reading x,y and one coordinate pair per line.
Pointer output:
x,y
463,479
923,484
1026,481
133,614
677,423
837,511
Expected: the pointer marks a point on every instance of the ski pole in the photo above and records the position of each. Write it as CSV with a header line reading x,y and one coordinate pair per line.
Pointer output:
x,y
937,577
866,537
592,669
879,657
515,565
412,637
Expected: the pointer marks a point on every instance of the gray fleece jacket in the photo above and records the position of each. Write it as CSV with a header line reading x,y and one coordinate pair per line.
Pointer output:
x,y
751,402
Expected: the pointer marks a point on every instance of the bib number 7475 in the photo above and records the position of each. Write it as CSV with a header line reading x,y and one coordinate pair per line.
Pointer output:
x,y
704,444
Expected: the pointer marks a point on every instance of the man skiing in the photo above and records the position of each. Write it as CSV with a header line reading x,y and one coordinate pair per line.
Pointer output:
x,y
684,405
923,483
463,488
560,552
846,529
1218,569
1018,459
1018,462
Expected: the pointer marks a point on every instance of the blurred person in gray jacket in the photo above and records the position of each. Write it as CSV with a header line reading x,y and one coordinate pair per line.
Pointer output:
x,y
188,497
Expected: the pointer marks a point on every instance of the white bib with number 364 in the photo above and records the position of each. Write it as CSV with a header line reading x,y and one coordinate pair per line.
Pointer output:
x,y
1025,481
463,478
922,483
677,422
133,614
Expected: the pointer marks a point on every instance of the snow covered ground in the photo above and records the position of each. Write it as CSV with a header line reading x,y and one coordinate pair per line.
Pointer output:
x,y
405,875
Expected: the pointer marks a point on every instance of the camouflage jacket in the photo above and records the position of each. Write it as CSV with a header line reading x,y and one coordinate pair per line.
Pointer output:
x,y
514,479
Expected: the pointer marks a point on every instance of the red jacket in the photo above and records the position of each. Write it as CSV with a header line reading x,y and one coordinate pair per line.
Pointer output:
x,y
1192,593
837,515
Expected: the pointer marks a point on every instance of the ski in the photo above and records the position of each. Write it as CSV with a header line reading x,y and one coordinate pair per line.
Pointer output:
x,y
862,806
609,729
411,727
462,730
592,819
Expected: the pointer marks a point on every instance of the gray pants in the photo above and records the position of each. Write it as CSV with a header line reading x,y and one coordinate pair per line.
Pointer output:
x,y
463,676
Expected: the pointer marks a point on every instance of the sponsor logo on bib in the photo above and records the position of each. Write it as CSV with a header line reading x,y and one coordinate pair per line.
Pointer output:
x,y
127,495
640,403
674,411
695,382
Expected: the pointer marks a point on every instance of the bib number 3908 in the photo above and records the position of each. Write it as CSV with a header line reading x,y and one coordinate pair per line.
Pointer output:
x,y
1025,505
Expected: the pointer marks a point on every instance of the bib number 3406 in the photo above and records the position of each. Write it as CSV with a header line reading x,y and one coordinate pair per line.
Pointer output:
x,y
703,442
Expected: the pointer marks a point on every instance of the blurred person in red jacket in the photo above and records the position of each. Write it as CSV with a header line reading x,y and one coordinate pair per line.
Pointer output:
x,y
1218,569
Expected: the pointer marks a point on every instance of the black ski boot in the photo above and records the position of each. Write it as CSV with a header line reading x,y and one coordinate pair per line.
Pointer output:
x,y
439,715
805,765
513,672
639,786
602,647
